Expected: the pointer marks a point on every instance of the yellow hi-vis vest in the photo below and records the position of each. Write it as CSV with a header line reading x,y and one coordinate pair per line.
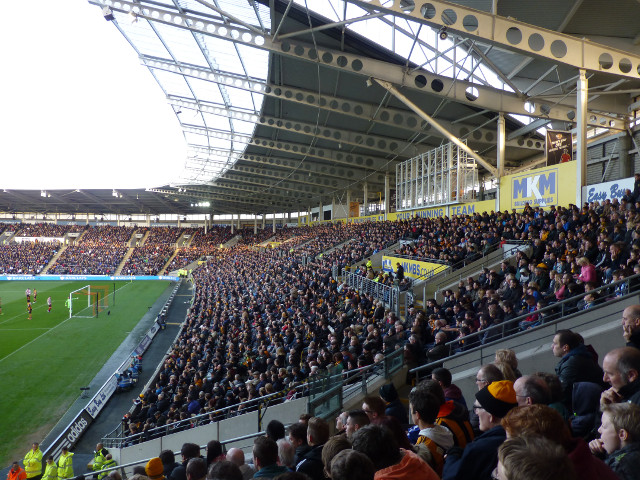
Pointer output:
x,y
65,466
33,463
50,472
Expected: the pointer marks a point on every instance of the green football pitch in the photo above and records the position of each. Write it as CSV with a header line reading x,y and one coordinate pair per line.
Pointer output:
x,y
44,361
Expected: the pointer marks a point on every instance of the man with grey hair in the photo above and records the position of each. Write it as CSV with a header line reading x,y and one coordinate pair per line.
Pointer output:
x,y
236,456
286,453
631,325
531,390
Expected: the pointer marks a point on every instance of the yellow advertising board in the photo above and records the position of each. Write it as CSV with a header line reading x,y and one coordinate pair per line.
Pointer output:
x,y
542,187
368,218
436,212
412,268
471,208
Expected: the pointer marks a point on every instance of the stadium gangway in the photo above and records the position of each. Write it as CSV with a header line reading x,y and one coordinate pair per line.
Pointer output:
x,y
511,328
390,295
237,442
116,438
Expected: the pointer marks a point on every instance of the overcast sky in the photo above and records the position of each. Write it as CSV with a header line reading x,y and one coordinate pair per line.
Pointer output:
x,y
78,109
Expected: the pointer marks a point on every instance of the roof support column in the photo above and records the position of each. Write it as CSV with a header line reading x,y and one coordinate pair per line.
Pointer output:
x,y
274,222
500,146
365,193
333,207
387,199
625,162
264,220
581,134
394,91
348,205
232,225
500,151
320,212
255,224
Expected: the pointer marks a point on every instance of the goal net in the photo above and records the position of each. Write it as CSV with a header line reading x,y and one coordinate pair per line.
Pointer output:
x,y
102,296
82,303
88,301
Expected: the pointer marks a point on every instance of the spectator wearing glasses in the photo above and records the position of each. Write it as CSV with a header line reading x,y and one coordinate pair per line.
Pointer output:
x,y
480,457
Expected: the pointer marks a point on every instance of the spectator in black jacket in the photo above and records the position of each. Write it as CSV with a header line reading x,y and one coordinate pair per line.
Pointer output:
x,y
577,363
317,436
188,451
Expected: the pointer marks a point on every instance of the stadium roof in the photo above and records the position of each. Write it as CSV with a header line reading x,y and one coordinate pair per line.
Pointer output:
x,y
285,104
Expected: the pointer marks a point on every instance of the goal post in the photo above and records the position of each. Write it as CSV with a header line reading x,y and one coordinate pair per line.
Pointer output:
x,y
82,303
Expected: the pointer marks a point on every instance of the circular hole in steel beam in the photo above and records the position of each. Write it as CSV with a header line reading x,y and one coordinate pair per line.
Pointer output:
x,y
449,16
514,35
437,85
536,42
558,48
420,81
470,23
624,65
428,11
605,61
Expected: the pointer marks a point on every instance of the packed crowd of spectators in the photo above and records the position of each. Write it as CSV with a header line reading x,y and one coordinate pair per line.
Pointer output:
x,y
515,426
26,258
46,229
148,259
293,320
8,227
249,238
99,252
201,245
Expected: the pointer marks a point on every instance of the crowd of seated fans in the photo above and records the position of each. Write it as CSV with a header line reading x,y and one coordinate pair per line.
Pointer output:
x,y
201,245
249,238
26,258
515,426
46,229
293,320
99,252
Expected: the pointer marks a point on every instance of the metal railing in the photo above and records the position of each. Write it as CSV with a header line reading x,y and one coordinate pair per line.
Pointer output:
x,y
329,392
325,394
235,441
118,439
387,293
551,314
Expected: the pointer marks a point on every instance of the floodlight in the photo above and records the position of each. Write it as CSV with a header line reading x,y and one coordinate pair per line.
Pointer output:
x,y
108,14
443,33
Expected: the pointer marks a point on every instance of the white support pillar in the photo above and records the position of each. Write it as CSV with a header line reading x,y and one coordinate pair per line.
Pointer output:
x,y
348,205
255,224
581,134
264,220
365,192
500,147
274,222
386,194
232,225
